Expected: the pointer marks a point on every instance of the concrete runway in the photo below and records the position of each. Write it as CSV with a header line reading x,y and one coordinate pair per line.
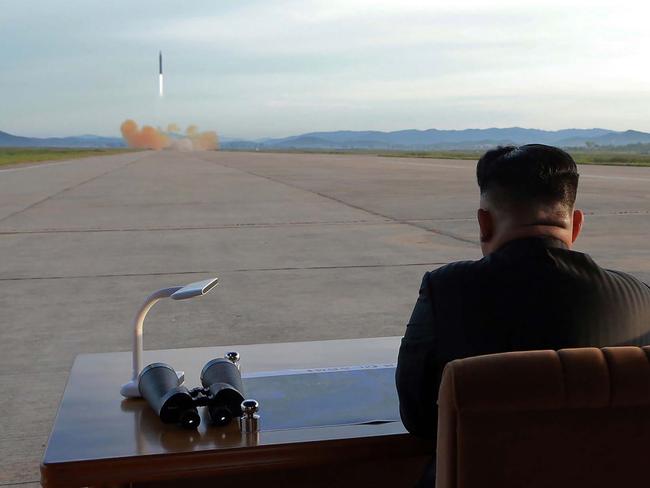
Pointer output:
x,y
307,247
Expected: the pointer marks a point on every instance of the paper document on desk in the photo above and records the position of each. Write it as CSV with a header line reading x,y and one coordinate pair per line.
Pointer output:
x,y
329,369
319,397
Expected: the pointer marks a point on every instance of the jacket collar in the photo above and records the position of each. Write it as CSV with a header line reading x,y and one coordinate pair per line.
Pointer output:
x,y
531,243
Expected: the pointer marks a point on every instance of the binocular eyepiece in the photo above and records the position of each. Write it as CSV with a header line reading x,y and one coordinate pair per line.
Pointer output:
x,y
160,386
222,393
222,385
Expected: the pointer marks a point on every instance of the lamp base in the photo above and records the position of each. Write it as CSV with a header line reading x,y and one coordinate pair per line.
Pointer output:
x,y
130,389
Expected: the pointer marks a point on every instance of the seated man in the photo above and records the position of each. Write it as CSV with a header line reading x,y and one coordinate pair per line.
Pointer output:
x,y
530,291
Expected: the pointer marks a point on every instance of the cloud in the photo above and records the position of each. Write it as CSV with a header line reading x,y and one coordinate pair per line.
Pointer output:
x,y
366,38
292,27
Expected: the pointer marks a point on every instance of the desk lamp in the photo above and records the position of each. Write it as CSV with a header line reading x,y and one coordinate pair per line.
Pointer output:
x,y
130,389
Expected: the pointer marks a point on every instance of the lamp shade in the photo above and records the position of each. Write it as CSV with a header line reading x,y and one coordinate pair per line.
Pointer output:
x,y
195,289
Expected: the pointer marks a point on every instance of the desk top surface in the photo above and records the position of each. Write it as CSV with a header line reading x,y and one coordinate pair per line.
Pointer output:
x,y
95,423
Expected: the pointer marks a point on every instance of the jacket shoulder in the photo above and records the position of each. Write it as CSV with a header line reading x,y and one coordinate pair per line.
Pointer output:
x,y
586,266
627,281
454,271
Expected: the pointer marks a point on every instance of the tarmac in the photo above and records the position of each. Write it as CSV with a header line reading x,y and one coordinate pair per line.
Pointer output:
x,y
306,246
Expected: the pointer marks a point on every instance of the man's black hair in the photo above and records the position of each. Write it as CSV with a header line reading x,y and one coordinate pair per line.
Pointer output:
x,y
528,175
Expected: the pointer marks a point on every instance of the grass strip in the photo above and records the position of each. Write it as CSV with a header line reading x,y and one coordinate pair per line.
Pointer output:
x,y
580,157
15,155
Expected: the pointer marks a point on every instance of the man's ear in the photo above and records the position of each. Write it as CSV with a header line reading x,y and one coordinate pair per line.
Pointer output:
x,y
485,224
578,219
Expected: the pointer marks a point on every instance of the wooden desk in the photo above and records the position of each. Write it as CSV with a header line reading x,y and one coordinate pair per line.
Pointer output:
x,y
99,439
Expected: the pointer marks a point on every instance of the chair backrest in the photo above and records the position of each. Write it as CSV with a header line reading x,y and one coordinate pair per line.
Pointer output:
x,y
568,418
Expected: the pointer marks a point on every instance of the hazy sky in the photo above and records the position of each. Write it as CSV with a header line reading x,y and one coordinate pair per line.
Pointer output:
x,y
273,68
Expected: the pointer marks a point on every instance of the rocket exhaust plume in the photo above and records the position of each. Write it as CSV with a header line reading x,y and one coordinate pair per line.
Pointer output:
x,y
160,74
151,138
146,138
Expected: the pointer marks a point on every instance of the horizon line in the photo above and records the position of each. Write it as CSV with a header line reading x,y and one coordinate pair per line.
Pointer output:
x,y
253,138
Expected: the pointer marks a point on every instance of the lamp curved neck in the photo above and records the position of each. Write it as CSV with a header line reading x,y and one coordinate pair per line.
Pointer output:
x,y
138,325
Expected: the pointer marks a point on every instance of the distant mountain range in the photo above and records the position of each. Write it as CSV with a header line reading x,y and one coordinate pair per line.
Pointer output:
x,y
434,139
88,140
419,140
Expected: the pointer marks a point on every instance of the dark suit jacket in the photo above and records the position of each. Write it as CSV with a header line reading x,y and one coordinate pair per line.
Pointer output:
x,y
530,294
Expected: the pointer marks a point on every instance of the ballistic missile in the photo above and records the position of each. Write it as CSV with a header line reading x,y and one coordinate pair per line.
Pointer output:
x,y
160,74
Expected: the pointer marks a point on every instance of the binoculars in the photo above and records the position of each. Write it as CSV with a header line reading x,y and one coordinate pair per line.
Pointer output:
x,y
222,392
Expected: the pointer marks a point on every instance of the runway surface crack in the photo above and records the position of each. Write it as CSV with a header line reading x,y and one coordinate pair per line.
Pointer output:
x,y
69,188
351,205
236,270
